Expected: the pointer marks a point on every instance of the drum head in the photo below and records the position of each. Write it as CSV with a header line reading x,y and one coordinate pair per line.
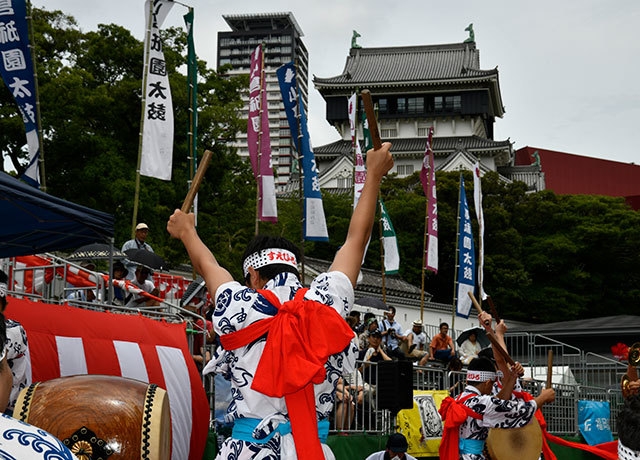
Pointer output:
x,y
523,443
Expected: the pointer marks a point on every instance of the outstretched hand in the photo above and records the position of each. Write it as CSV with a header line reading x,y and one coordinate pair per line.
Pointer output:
x,y
379,162
179,223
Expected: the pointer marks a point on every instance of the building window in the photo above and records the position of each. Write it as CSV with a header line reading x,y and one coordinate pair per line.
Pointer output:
x,y
423,131
404,170
388,131
383,105
344,182
448,103
415,105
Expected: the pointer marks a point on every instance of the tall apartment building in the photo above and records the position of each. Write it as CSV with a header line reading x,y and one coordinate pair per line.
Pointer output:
x,y
281,37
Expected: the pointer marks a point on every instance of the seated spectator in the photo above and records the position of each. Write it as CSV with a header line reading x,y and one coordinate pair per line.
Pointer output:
x,y
441,348
416,344
141,281
470,349
119,273
16,346
363,339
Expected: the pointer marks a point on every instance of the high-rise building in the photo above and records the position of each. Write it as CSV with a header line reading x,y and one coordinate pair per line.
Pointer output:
x,y
281,37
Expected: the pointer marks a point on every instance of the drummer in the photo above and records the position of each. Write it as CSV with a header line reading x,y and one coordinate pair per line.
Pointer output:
x,y
465,439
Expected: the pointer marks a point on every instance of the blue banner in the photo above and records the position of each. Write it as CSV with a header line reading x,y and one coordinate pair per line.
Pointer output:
x,y
314,225
16,69
466,257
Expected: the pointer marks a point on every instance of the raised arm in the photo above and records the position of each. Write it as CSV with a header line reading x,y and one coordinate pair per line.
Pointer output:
x,y
182,226
349,257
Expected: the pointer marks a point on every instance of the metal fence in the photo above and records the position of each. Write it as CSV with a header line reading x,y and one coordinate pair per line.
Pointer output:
x,y
576,376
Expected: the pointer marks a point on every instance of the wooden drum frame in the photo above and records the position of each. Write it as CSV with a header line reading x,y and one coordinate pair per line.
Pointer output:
x,y
101,416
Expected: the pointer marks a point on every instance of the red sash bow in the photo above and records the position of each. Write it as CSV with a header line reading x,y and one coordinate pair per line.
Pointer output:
x,y
453,413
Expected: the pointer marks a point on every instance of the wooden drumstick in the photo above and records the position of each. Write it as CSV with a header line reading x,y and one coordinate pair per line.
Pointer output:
x,y
195,184
371,118
549,368
491,335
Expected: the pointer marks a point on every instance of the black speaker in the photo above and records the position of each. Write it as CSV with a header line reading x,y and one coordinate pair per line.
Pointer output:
x,y
395,385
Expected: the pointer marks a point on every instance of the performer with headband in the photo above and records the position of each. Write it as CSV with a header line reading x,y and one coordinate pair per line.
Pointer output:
x,y
468,418
284,347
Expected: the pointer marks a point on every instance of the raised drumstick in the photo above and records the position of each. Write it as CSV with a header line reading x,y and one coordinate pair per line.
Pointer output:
x,y
195,184
371,118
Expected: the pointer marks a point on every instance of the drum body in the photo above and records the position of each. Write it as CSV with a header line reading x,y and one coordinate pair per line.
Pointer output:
x,y
522,443
101,416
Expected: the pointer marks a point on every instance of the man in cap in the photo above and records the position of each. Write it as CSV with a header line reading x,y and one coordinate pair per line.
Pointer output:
x,y
284,384
396,449
416,341
138,242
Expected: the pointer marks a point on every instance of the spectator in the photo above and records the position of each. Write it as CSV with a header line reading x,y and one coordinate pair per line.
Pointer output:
x,y
16,347
142,281
120,272
373,354
351,321
416,343
138,242
359,327
396,448
363,339
392,334
441,348
470,348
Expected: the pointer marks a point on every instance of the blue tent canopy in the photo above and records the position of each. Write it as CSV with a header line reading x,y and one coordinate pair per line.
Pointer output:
x,y
35,222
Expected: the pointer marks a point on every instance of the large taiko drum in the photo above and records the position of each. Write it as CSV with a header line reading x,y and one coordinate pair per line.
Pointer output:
x,y
522,443
101,416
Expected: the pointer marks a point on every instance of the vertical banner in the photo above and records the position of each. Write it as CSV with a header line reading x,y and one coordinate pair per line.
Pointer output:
x,y
466,257
192,87
390,243
477,202
315,225
258,140
428,179
360,173
16,68
157,133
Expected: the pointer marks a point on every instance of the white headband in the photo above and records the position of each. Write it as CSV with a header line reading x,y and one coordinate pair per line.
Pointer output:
x,y
3,289
267,257
480,376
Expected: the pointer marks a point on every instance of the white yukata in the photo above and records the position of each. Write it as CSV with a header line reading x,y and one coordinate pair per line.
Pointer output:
x,y
236,307
496,413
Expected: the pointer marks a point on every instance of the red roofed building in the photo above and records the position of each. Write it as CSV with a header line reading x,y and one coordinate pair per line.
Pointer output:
x,y
569,174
